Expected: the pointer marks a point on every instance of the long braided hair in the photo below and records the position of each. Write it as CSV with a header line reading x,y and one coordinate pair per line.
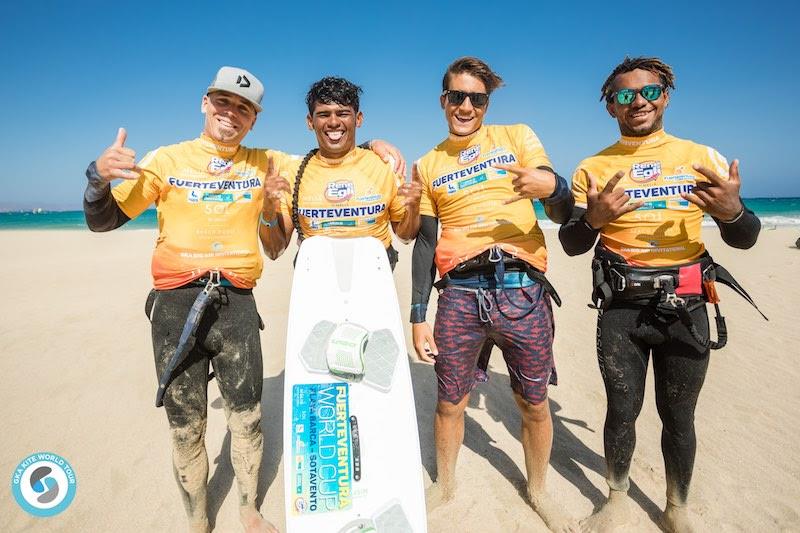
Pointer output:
x,y
650,64
296,194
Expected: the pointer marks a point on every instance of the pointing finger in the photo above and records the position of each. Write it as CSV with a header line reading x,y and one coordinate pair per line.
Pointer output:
x,y
415,174
734,172
708,173
613,182
122,135
592,188
693,198
516,169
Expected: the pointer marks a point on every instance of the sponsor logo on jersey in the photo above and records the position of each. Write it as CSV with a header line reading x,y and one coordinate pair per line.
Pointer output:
x,y
679,177
504,159
342,212
664,192
223,185
646,171
339,191
369,198
193,196
469,155
217,165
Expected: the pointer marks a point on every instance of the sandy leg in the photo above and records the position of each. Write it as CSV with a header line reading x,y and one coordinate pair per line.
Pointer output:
x,y
448,430
676,519
190,466
247,445
537,442
613,514
439,494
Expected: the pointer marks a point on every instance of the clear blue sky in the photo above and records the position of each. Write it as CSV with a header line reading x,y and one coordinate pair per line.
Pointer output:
x,y
72,72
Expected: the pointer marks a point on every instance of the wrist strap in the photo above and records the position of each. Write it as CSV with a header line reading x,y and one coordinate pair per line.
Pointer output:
x,y
734,219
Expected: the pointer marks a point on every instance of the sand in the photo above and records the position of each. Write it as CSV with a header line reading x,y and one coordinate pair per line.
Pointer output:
x,y
78,380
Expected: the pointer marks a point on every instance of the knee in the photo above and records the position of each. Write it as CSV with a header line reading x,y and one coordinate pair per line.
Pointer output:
x,y
446,409
188,440
245,423
535,413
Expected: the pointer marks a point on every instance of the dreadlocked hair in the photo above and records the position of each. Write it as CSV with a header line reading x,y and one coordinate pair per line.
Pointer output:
x,y
296,194
650,64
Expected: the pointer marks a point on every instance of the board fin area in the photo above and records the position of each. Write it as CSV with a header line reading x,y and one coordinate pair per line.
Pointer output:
x,y
351,353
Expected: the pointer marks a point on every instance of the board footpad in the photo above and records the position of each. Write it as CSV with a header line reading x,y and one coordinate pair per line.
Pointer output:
x,y
379,356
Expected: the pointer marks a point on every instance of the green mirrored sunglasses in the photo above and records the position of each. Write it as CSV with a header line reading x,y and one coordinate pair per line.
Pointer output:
x,y
627,96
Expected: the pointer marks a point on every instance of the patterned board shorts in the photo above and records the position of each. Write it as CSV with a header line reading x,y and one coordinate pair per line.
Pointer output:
x,y
519,321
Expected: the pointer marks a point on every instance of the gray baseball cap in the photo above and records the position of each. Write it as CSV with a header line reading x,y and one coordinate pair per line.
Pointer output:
x,y
240,82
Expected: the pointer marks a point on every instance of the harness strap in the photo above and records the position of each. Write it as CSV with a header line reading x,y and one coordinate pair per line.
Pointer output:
x,y
187,338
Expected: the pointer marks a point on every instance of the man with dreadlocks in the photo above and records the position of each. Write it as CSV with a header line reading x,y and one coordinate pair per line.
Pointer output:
x,y
645,197
339,189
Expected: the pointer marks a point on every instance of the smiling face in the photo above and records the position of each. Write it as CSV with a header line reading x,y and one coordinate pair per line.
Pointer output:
x,y
335,127
228,117
465,118
640,117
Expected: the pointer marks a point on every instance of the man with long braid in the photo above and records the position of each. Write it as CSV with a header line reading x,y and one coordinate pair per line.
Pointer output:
x,y
645,197
480,184
339,189
212,209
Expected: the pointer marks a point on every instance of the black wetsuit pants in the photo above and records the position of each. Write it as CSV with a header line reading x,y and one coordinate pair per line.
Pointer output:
x,y
227,338
626,336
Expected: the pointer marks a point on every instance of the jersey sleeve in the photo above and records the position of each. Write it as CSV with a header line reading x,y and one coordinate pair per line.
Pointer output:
x,y
531,151
396,208
580,185
134,196
426,205
289,165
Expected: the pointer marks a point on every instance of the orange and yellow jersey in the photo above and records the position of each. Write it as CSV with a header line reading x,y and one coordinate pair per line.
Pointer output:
x,y
466,193
208,198
658,168
355,196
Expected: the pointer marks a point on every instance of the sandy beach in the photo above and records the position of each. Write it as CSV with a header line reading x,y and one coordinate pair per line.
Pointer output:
x,y
78,380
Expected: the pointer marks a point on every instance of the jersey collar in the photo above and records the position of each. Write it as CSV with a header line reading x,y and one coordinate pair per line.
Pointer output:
x,y
213,147
653,138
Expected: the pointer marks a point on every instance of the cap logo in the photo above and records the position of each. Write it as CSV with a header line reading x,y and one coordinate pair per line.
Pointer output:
x,y
242,81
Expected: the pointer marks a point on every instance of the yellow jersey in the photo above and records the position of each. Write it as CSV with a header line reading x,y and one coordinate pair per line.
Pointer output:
x,y
658,168
466,193
208,197
355,196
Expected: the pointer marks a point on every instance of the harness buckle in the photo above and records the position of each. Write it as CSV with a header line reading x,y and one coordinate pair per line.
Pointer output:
x,y
618,281
213,281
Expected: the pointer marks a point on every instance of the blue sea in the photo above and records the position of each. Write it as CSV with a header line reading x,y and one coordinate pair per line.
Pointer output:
x,y
771,211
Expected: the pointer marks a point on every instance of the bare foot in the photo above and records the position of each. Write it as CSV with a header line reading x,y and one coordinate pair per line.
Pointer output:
x,y
613,514
439,494
676,519
199,526
553,514
253,522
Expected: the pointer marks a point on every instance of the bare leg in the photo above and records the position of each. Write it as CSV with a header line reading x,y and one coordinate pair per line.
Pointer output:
x,y
448,429
190,465
246,451
537,442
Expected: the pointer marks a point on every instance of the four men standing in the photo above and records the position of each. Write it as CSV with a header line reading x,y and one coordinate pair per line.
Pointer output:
x,y
644,196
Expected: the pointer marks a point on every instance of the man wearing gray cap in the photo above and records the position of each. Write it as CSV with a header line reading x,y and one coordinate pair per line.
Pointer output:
x,y
209,196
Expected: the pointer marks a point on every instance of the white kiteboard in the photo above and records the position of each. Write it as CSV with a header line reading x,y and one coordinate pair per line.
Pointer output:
x,y
351,448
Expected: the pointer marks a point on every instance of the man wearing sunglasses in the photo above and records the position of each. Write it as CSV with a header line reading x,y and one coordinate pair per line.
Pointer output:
x,y
479,183
645,196
213,206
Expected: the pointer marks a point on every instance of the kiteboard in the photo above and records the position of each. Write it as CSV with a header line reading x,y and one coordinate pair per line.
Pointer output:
x,y
351,445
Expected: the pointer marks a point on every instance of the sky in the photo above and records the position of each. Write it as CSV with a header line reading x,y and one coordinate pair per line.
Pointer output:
x,y
71,73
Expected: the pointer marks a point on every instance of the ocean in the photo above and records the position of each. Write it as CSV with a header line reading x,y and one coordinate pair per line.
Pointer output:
x,y
772,212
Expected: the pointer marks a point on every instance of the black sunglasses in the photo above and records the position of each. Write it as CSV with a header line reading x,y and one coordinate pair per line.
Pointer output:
x,y
458,97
